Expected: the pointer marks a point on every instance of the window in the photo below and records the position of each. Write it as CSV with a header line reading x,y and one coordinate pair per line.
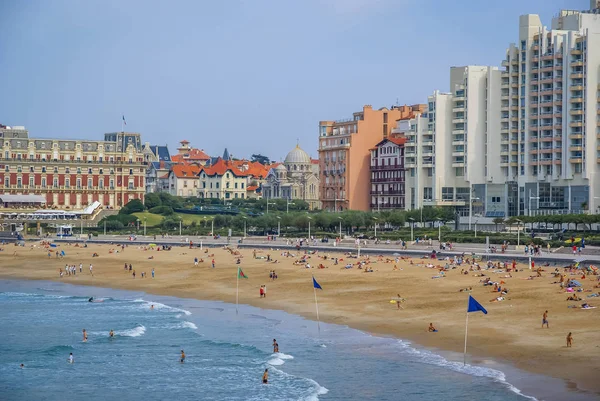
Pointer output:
x,y
101,183
55,182
67,183
78,170
44,182
19,182
31,182
112,184
130,185
447,193
19,169
67,170
55,170
90,171
235,185
217,185
242,185
90,183
6,181
78,183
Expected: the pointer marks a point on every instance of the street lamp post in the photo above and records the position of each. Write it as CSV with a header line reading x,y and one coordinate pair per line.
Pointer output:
x,y
245,218
212,226
138,224
145,226
180,226
104,227
530,199
412,224
269,203
471,199
375,226
339,217
518,232
278,226
439,230
476,228
309,219
287,205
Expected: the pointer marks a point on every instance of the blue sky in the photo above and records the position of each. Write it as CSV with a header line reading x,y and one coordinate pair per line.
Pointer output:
x,y
249,75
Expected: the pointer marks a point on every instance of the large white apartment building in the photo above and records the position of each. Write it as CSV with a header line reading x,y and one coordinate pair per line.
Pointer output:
x,y
521,140
551,80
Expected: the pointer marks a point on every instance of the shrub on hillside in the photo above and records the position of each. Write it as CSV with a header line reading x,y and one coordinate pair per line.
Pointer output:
x,y
162,210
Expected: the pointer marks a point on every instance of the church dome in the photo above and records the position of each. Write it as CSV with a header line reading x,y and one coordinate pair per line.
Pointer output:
x,y
280,168
297,156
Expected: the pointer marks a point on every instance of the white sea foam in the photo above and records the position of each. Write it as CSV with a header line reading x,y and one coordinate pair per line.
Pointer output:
x,y
189,325
429,357
159,306
281,355
316,388
275,362
135,332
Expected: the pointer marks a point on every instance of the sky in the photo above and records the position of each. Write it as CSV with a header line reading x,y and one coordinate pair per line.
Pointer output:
x,y
253,76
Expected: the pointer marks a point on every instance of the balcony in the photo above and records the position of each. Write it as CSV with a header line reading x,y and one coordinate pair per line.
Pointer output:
x,y
391,167
387,180
577,63
399,205
576,87
577,75
576,124
576,111
458,120
577,135
397,192
576,148
458,164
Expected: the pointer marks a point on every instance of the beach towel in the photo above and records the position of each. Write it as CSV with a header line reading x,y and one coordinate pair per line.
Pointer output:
x,y
575,283
52,245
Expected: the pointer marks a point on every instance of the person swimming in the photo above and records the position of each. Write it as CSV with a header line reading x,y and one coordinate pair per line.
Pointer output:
x,y
275,346
91,299
182,356
71,360
111,334
84,336
265,377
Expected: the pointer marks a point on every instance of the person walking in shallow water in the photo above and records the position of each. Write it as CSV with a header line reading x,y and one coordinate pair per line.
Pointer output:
x,y
265,377
182,357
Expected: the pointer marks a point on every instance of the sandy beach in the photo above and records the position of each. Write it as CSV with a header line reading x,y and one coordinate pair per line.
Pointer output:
x,y
511,332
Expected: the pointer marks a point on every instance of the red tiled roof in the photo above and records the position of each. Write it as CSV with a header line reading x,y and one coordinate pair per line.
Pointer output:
x,y
183,170
191,155
314,161
252,188
222,166
397,140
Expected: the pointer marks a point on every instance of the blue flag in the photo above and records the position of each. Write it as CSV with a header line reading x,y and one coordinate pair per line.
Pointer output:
x,y
316,285
474,306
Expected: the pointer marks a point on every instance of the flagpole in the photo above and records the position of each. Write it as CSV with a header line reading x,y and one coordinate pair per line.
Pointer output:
x,y
466,331
317,306
122,121
237,291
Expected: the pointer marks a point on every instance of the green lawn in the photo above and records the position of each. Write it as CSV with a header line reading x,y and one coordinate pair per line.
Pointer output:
x,y
153,220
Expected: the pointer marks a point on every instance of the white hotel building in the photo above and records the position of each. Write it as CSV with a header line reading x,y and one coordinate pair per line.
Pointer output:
x,y
521,140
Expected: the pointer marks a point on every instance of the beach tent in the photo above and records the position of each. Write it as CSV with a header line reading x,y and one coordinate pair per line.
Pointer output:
x,y
574,283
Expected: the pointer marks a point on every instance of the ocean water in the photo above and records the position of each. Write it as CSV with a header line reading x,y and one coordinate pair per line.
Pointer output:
x,y
226,353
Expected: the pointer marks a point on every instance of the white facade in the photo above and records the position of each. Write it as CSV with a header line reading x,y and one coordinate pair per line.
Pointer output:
x,y
552,80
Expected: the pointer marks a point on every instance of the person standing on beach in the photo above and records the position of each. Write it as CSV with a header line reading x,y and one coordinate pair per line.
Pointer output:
x,y
84,336
91,269
81,268
569,340
265,377
153,272
213,263
545,320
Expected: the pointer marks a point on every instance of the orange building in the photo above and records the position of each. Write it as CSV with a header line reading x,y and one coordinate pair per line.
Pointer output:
x,y
344,154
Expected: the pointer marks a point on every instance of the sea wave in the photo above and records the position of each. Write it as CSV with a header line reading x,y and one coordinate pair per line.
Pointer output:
x,y
58,349
315,388
159,306
24,294
431,358
137,331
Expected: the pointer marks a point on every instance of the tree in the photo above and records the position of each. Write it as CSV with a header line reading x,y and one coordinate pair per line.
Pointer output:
x,y
498,220
132,206
260,158
152,200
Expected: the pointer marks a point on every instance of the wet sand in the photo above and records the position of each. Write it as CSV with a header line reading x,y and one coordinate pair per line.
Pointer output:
x,y
510,333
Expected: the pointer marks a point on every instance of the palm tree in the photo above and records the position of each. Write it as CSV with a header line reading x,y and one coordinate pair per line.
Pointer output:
x,y
498,220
